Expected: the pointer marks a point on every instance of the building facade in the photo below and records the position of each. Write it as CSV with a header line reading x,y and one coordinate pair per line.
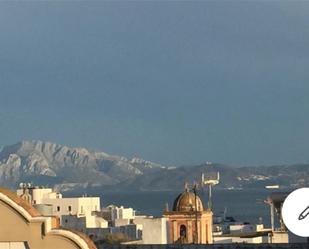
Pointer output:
x,y
154,230
80,206
189,222
23,227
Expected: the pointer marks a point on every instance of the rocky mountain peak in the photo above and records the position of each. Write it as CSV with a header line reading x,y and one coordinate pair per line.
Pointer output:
x,y
46,161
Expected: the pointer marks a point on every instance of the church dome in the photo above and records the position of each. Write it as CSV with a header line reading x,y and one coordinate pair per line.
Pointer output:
x,y
185,202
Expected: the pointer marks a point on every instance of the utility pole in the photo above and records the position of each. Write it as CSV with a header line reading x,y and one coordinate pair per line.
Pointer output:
x,y
196,213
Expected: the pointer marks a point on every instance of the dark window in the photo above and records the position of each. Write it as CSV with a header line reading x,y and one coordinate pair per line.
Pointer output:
x,y
70,208
58,208
183,231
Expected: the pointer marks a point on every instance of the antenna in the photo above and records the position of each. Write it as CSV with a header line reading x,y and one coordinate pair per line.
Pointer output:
x,y
210,182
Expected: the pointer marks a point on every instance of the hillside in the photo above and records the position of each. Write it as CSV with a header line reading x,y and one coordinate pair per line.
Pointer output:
x,y
46,163
49,164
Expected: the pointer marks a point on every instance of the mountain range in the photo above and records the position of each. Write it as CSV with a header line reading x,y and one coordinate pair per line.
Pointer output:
x,y
73,169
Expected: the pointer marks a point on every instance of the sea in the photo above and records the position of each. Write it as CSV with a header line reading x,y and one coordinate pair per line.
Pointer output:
x,y
242,205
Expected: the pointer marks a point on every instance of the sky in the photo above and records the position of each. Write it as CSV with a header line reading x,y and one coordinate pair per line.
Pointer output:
x,y
174,82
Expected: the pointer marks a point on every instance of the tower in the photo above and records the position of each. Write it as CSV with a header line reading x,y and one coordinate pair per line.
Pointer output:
x,y
188,221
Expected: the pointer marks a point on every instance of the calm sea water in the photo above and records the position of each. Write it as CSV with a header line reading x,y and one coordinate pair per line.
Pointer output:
x,y
243,205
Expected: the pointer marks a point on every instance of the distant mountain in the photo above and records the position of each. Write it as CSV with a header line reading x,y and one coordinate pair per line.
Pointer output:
x,y
292,176
46,163
79,169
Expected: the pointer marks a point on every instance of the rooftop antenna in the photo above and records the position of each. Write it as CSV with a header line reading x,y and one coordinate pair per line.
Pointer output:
x,y
210,182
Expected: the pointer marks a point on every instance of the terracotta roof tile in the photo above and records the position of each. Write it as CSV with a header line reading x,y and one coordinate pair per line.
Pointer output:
x,y
34,213
21,202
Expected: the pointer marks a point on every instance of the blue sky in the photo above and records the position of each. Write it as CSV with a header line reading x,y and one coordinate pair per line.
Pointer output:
x,y
173,82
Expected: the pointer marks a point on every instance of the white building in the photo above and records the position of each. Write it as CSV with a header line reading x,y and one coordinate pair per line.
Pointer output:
x,y
118,216
79,206
155,230
119,212
245,228
80,223
145,229
251,240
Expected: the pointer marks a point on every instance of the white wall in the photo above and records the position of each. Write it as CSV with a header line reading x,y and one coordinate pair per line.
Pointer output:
x,y
155,230
63,206
81,223
240,228
39,194
280,237
120,212
126,213
79,206
228,240
13,245
121,222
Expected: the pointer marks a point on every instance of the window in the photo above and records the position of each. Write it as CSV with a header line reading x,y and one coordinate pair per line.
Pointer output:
x,y
70,208
58,208
183,231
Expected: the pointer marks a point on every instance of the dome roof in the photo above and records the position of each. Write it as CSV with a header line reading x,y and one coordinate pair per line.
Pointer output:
x,y
186,202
